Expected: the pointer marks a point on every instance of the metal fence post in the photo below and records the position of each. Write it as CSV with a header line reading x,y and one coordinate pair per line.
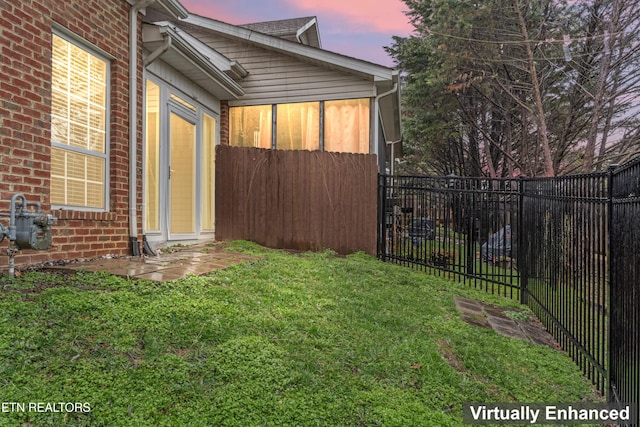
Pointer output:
x,y
382,218
470,246
611,394
523,252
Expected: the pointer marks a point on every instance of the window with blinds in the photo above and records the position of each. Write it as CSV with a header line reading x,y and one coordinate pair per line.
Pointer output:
x,y
79,117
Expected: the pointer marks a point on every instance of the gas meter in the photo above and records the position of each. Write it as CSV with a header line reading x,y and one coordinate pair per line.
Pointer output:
x,y
28,229
34,231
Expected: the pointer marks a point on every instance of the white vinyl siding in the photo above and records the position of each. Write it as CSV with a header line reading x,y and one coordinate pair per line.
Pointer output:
x,y
276,78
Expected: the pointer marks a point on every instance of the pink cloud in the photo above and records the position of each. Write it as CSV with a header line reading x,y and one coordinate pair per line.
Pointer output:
x,y
217,12
237,12
382,16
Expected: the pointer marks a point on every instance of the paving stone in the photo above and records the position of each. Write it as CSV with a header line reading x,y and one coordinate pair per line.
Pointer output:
x,y
503,323
540,336
485,315
195,259
494,311
476,320
469,306
509,332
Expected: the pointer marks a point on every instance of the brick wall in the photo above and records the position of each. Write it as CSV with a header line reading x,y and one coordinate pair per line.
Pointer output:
x,y
224,122
25,128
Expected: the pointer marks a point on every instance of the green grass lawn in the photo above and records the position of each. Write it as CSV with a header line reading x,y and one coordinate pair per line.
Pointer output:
x,y
288,339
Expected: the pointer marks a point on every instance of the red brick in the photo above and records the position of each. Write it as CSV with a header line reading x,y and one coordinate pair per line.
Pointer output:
x,y
25,103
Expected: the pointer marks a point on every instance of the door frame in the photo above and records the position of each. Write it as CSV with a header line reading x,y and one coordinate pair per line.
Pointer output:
x,y
168,105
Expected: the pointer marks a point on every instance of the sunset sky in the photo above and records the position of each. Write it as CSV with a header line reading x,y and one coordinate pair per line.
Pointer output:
x,y
358,28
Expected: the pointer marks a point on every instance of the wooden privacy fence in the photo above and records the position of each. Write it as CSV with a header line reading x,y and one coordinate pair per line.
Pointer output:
x,y
303,200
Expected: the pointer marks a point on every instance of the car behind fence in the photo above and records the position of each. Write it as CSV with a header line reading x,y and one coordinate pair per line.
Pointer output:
x,y
568,247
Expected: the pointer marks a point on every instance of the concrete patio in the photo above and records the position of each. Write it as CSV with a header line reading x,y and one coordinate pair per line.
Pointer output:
x,y
169,264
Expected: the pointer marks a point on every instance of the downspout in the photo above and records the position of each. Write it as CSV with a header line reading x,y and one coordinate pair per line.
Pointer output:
x,y
393,159
166,44
393,90
133,122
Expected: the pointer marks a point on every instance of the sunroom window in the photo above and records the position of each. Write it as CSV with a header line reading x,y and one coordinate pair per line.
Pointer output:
x,y
250,126
339,126
298,126
346,126
79,117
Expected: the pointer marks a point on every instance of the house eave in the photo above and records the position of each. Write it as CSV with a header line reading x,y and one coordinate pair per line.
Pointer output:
x,y
237,71
311,29
174,8
187,56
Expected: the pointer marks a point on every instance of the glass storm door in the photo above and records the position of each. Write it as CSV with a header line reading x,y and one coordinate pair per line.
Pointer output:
x,y
182,178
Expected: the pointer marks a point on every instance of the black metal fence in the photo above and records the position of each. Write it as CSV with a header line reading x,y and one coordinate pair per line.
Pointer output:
x,y
568,247
564,256
624,354
458,227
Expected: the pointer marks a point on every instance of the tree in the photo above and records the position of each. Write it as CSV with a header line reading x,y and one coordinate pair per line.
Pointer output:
x,y
508,87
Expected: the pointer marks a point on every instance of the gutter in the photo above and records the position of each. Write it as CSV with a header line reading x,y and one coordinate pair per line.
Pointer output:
x,y
356,67
393,90
393,160
195,52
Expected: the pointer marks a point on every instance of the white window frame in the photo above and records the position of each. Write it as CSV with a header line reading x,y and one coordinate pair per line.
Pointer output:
x,y
93,50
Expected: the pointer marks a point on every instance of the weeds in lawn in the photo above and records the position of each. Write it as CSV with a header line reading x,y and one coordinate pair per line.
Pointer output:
x,y
518,315
289,339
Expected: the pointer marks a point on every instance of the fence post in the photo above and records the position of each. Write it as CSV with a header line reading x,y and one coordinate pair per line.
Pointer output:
x,y
471,227
523,252
611,394
382,216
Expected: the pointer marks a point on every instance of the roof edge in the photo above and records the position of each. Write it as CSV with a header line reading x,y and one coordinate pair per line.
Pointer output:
x,y
311,24
174,7
180,41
